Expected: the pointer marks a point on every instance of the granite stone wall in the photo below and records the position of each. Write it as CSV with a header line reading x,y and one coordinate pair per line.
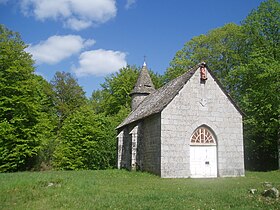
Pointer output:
x,y
201,104
150,148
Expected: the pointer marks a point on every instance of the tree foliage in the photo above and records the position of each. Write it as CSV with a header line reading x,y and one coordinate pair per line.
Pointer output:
x,y
256,85
219,48
49,125
67,95
22,119
87,141
114,94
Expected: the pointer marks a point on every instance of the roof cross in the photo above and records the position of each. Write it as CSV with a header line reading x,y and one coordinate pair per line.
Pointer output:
x,y
144,64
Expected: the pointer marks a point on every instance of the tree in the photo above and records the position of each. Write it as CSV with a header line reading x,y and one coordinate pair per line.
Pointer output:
x,y
22,120
256,85
49,125
68,95
87,141
219,48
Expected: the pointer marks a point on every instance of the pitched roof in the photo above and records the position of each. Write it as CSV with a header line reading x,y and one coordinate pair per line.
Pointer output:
x,y
159,99
156,101
144,83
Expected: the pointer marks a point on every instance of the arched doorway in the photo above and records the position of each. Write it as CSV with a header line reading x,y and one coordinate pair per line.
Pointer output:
x,y
203,153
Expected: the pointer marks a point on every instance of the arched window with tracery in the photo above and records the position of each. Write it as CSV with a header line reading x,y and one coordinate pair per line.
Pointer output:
x,y
203,136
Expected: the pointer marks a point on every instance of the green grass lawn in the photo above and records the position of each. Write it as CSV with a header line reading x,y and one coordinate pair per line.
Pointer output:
x,y
120,189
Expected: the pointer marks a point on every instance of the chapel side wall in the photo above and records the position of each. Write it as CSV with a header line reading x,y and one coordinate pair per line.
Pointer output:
x,y
186,112
150,148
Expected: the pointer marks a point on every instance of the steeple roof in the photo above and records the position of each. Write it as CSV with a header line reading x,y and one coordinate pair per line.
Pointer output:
x,y
144,84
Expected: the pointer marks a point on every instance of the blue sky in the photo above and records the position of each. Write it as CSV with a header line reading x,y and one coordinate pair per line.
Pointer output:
x,y
94,38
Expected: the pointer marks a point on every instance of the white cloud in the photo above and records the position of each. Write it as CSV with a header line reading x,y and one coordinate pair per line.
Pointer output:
x,y
129,4
75,14
57,48
100,62
76,24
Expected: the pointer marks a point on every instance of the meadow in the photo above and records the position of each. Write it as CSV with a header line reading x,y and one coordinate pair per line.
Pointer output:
x,y
120,189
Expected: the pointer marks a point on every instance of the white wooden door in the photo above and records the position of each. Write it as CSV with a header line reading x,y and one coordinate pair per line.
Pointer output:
x,y
203,161
203,153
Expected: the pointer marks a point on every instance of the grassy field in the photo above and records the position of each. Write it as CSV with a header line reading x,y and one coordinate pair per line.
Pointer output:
x,y
119,189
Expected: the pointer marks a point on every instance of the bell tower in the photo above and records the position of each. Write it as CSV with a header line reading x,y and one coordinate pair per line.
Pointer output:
x,y
143,87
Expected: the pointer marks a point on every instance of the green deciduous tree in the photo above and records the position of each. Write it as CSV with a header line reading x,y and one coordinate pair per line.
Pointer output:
x,y
114,94
256,85
68,95
23,121
219,48
87,141
49,125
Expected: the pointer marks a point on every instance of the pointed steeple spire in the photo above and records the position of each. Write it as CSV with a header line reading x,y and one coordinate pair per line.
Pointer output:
x,y
143,87
144,84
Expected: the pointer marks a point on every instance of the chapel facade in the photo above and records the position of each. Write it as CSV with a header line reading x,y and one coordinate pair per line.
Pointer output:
x,y
190,127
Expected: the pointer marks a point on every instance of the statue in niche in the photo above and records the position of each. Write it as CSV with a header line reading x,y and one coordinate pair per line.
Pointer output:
x,y
203,72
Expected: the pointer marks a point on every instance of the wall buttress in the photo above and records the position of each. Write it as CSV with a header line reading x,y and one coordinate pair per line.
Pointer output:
x,y
134,139
120,148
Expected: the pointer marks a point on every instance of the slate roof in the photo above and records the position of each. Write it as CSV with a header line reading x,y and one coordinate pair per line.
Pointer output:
x,y
159,99
144,84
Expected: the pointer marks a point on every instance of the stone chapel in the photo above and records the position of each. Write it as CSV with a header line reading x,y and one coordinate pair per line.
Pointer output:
x,y
190,127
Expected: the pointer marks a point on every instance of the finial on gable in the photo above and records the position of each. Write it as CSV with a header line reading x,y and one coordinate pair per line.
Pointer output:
x,y
144,64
